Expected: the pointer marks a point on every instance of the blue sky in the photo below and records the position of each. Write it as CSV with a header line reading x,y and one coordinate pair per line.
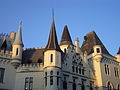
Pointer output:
x,y
81,16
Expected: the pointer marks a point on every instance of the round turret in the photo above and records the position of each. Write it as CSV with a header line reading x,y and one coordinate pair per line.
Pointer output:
x,y
17,49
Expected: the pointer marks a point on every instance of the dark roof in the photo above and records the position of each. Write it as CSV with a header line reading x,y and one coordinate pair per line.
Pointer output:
x,y
33,56
66,39
18,38
53,41
4,44
90,40
8,42
118,51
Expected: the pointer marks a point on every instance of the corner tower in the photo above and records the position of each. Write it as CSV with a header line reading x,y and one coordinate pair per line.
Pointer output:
x,y
52,62
66,39
118,55
17,48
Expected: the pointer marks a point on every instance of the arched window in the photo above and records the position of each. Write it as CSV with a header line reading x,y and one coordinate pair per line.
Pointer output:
x,y
109,86
17,51
51,58
51,78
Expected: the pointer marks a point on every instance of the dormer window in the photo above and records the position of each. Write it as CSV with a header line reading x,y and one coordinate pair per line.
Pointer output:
x,y
51,58
98,50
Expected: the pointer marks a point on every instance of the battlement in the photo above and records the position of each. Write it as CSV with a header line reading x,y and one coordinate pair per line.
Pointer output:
x,y
34,48
30,67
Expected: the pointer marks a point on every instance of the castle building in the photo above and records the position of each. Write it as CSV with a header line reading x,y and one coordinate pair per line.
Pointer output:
x,y
64,66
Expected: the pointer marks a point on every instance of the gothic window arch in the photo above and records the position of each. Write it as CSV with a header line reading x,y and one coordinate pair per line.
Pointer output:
x,y
109,85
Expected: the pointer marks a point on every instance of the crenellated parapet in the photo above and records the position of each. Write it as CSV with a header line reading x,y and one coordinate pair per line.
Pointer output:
x,y
34,48
30,67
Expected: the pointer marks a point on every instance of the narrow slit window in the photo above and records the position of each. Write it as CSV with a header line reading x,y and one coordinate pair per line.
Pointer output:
x,y
51,58
58,78
17,51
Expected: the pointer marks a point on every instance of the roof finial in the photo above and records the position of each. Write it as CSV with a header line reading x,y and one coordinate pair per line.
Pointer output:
x,y
20,24
53,13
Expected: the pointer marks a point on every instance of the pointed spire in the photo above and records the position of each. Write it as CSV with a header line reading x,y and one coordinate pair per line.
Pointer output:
x,y
53,41
18,38
118,51
66,38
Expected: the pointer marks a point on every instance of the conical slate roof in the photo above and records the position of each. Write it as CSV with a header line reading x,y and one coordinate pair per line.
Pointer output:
x,y
118,51
53,41
66,39
18,38
90,40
